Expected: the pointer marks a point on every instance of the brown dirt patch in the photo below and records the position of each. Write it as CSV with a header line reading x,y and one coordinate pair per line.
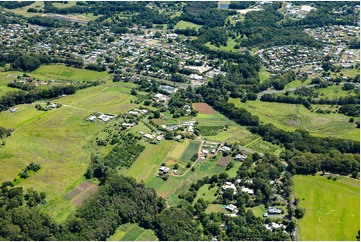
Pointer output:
x,y
204,108
85,185
85,194
74,192
162,194
223,161
170,161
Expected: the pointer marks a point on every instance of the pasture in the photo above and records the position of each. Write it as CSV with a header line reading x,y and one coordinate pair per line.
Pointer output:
x,y
62,72
297,83
185,24
334,91
5,78
263,75
132,232
290,117
60,141
332,208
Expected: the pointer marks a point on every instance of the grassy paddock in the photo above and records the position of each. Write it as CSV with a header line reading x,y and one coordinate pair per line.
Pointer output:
x,y
332,208
290,117
131,232
190,151
63,72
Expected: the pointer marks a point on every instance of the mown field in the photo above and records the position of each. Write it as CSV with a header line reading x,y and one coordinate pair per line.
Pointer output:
x,y
332,208
229,47
62,72
185,24
132,232
5,78
291,117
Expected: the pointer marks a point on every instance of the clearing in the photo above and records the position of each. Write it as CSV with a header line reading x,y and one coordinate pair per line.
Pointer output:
x,y
132,232
184,24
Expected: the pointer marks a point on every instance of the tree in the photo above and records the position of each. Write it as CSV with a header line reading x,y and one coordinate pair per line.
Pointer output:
x,y
156,114
169,135
299,212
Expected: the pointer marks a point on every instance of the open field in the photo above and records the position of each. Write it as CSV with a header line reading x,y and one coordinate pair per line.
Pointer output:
x,y
206,193
146,166
213,120
180,184
65,5
291,117
332,208
297,83
334,91
59,140
223,161
184,24
5,78
263,75
63,72
131,232
23,11
229,47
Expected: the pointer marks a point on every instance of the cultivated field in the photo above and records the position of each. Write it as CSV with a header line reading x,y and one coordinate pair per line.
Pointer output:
x,y
132,232
291,117
332,208
204,108
192,149
81,192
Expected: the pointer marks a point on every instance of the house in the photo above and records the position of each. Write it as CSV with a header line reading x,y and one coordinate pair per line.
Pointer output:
x,y
274,211
230,185
127,125
167,89
247,190
205,152
240,157
159,137
149,136
135,113
13,110
105,118
91,118
231,208
161,98
225,148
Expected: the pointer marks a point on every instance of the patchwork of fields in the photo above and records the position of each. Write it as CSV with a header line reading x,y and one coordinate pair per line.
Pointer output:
x,y
332,208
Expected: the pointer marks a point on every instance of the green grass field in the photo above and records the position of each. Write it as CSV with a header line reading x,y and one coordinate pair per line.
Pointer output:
x,y
23,11
291,117
132,232
229,47
59,140
5,78
332,208
297,83
63,72
263,75
334,91
184,24
206,193
215,208
146,166
65,5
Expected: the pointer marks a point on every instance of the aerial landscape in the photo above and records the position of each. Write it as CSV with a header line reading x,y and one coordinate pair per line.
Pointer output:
x,y
180,121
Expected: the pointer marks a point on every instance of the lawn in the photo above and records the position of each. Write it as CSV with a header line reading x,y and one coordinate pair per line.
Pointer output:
x,y
215,208
65,5
132,232
291,117
332,208
184,24
62,72
206,193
